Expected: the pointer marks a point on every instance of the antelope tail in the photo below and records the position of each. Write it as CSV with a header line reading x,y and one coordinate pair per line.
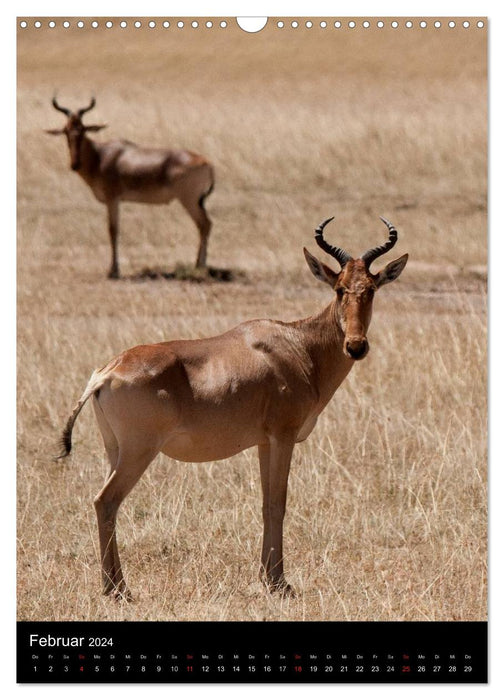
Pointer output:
x,y
94,385
201,200
209,190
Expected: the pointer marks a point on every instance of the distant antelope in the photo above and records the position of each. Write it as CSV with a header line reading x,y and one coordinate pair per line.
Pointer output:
x,y
262,383
120,171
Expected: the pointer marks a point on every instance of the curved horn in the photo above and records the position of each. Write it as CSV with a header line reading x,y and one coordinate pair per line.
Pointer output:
x,y
60,109
341,255
374,253
82,111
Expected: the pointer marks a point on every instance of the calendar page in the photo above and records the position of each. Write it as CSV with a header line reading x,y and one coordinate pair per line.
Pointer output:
x,y
252,349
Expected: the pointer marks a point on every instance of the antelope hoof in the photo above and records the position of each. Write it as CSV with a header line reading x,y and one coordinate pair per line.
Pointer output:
x,y
122,595
284,589
279,586
113,275
118,592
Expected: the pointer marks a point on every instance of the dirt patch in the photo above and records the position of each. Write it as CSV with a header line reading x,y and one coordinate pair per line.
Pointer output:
x,y
189,274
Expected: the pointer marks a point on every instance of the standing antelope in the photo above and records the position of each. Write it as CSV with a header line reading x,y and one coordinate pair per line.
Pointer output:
x,y
262,383
120,171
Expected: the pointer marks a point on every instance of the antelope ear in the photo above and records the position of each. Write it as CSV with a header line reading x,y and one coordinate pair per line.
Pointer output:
x,y
322,272
54,132
95,127
392,271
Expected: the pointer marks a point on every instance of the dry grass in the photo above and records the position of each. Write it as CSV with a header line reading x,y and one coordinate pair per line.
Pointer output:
x,y
387,502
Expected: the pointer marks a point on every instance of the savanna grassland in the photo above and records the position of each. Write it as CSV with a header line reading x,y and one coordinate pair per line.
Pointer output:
x,y
386,514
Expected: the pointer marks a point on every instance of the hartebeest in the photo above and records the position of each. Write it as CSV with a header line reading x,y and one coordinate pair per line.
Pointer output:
x,y
262,383
119,171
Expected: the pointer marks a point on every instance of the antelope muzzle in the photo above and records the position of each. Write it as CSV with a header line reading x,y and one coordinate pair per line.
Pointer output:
x,y
75,159
356,347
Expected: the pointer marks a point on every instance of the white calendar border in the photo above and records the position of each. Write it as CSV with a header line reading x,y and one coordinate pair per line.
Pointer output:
x,y
276,8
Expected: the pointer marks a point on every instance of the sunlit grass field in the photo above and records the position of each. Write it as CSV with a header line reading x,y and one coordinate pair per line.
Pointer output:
x,y
386,514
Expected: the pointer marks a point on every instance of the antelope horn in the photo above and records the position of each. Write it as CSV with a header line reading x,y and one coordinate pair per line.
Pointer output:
x,y
82,111
60,109
374,253
341,255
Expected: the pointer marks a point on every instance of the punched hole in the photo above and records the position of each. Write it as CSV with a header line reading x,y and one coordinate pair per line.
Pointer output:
x,y
252,24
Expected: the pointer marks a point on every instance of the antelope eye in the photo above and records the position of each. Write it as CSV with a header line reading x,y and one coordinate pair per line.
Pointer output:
x,y
340,292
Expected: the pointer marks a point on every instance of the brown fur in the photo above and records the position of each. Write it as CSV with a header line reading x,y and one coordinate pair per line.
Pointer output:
x,y
262,383
119,171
